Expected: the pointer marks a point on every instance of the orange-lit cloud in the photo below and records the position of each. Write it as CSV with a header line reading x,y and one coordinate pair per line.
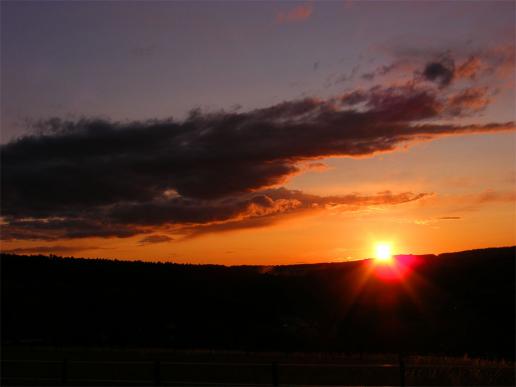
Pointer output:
x,y
503,59
314,167
489,196
296,14
444,67
470,68
469,201
468,101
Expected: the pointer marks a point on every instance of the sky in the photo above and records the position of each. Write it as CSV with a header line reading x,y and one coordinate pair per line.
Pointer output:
x,y
256,132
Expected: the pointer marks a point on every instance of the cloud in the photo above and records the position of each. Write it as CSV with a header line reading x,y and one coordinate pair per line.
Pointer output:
x,y
198,216
100,178
153,239
468,101
502,61
489,196
90,163
74,226
493,66
344,77
46,249
459,203
398,65
472,202
293,203
315,167
296,14
470,68
441,72
428,221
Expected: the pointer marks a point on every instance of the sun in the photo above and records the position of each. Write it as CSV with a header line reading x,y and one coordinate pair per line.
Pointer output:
x,y
383,252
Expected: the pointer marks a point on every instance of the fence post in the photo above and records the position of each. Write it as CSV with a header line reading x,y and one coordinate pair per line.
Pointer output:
x,y
275,381
64,372
402,370
157,373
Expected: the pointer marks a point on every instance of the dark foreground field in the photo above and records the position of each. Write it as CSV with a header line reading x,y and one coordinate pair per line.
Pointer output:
x,y
95,366
75,321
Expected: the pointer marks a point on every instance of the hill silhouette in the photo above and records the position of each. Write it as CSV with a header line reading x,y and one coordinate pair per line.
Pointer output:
x,y
452,303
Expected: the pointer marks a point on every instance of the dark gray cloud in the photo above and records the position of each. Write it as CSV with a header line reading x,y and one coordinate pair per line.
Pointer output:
x,y
441,72
101,178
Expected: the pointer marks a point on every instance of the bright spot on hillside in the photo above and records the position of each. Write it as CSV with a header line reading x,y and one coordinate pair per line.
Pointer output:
x,y
383,252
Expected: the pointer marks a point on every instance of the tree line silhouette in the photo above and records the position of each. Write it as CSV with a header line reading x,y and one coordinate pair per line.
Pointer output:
x,y
453,303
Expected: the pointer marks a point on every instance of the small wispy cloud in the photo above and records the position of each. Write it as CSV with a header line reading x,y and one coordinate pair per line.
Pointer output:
x,y
153,239
296,14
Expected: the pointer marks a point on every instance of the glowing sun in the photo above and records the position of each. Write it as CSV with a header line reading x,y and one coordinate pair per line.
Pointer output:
x,y
383,252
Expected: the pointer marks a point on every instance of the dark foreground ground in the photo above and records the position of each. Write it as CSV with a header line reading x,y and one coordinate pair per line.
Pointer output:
x,y
111,367
82,321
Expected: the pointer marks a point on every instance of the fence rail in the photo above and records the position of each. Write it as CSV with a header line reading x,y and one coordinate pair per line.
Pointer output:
x,y
68,372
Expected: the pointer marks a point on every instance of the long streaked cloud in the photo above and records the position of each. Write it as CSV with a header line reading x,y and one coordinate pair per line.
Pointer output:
x,y
70,227
267,203
189,216
56,249
101,178
300,203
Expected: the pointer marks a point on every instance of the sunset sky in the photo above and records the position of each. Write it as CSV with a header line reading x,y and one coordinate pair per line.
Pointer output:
x,y
257,132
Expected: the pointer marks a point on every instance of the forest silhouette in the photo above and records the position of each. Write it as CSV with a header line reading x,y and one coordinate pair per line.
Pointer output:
x,y
451,303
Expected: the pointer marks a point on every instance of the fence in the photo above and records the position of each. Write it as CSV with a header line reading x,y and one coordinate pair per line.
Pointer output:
x,y
85,372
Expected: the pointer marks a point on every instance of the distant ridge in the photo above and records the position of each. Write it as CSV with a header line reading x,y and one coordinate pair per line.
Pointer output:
x,y
56,256
451,303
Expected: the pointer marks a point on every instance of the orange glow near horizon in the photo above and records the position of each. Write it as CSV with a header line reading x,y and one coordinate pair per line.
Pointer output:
x,y
398,268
